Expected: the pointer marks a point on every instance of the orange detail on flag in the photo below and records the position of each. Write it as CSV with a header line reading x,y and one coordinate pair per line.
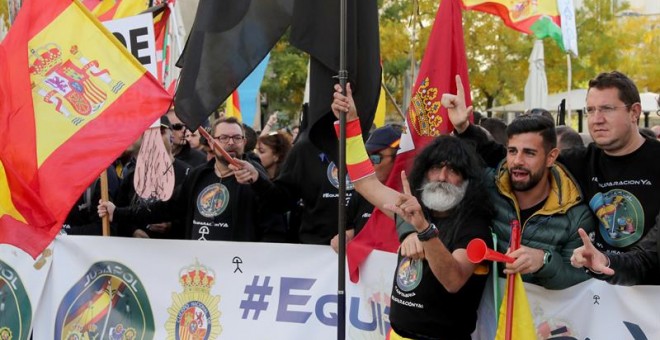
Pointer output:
x,y
517,14
443,60
233,106
78,99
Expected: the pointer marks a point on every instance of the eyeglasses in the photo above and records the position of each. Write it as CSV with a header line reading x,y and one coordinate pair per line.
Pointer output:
x,y
604,109
377,158
224,139
178,126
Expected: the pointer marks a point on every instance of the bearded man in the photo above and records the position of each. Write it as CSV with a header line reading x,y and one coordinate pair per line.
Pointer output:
x,y
436,295
212,201
530,186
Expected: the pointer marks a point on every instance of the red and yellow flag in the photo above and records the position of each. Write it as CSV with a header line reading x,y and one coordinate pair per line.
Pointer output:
x,y
538,17
115,9
78,99
233,106
522,321
444,58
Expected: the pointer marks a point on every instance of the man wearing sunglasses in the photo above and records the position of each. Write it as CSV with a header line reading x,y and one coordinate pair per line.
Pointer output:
x,y
382,146
180,146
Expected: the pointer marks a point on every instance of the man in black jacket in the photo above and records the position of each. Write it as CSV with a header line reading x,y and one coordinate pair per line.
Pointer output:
x,y
211,202
635,267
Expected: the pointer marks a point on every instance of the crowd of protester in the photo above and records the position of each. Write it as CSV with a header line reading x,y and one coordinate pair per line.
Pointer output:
x,y
582,201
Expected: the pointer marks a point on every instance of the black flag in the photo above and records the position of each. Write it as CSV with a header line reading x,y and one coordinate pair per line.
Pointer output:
x,y
315,30
228,40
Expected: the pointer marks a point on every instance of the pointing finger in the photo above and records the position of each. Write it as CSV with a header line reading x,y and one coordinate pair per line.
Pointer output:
x,y
460,92
405,184
585,238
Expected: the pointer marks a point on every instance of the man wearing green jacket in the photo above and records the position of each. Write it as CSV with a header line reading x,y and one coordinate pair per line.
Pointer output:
x,y
528,185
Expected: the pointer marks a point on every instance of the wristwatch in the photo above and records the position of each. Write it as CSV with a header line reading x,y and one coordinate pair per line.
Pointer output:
x,y
429,233
547,257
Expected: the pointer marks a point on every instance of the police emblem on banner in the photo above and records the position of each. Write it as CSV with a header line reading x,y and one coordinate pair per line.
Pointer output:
x,y
194,313
76,86
108,302
15,307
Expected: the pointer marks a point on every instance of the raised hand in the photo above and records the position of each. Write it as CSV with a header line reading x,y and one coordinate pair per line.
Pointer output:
x,y
588,256
459,114
344,103
407,206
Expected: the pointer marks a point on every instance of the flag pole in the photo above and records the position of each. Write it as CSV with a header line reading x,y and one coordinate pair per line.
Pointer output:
x,y
341,201
511,282
105,197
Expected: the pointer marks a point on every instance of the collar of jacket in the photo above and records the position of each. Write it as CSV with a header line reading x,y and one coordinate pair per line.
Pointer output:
x,y
564,192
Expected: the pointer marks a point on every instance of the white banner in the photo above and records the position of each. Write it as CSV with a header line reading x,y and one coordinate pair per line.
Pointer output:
x,y
158,289
124,288
136,33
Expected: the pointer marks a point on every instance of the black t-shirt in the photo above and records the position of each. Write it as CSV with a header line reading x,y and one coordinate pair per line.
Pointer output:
x,y
309,175
525,214
212,220
620,190
421,307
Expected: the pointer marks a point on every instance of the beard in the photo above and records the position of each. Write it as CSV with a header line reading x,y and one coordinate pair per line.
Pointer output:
x,y
233,152
442,196
534,179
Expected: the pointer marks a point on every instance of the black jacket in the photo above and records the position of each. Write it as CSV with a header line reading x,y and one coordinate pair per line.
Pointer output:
x,y
640,264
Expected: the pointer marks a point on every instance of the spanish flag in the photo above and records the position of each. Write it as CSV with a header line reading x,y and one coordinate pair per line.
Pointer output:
x,y
539,17
233,106
77,99
115,9
522,321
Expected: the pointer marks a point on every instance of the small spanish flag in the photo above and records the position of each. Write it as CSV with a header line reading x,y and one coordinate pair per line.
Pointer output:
x,y
233,106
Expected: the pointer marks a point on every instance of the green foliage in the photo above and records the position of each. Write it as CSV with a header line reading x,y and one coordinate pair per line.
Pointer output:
x,y
497,55
284,82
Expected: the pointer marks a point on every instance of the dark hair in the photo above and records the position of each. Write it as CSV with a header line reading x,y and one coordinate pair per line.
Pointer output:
x,y
227,120
250,138
569,137
463,158
628,92
540,111
496,127
281,145
534,123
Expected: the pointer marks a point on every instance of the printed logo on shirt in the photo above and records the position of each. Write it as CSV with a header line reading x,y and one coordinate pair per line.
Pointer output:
x,y
213,200
333,177
620,216
194,312
408,274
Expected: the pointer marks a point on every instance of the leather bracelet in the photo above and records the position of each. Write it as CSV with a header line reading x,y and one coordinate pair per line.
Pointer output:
x,y
606,266
429,233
